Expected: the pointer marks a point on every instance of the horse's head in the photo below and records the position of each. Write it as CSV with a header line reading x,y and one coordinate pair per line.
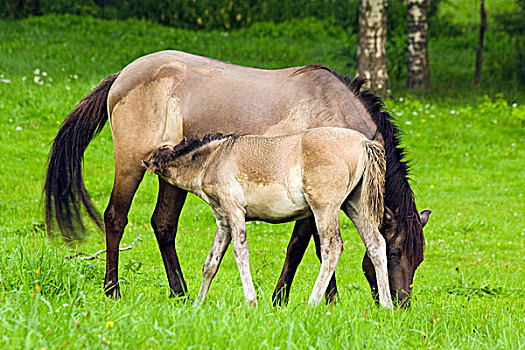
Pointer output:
x,y
402,259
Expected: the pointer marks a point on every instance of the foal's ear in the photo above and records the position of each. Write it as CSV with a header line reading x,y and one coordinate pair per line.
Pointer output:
x,y
147,164
423,216
152,167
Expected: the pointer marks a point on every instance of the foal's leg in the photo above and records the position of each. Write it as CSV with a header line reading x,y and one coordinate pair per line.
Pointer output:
x,y
237,224
331,244
164,222
375,248
331,291
211,265
301,234
115,219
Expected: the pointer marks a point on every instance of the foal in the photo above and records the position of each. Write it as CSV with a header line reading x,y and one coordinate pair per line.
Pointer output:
x,y
280,179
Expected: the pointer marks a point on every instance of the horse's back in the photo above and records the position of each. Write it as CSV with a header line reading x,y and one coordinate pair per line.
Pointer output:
x,y
160,98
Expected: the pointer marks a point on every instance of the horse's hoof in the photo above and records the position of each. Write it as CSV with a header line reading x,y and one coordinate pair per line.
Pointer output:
x,y
113,292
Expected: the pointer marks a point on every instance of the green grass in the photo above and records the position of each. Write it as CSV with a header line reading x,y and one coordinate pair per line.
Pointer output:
x,y
467,164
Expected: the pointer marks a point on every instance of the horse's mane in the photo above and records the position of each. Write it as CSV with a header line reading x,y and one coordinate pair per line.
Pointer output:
x,y
398,195
188,145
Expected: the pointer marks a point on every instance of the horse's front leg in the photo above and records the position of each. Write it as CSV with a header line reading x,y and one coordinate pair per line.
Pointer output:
x,y
301,234
164,222
211,265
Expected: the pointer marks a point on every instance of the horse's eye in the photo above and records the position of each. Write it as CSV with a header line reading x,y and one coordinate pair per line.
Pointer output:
x,y
394,254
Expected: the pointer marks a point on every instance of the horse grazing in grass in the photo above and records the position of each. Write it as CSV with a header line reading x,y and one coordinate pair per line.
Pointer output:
x,y
279,179
161,98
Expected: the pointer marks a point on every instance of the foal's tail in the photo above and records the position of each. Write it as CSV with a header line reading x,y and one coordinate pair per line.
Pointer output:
x,y
373,184
64,189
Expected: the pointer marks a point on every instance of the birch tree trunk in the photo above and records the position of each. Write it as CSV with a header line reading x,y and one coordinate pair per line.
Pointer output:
x,y
371,53
417,61
479,54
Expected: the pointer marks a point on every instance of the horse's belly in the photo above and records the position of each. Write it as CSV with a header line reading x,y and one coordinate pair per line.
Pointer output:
x,y
275,203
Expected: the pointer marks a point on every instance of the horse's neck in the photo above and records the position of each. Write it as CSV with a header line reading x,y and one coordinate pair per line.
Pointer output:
x,y
189,175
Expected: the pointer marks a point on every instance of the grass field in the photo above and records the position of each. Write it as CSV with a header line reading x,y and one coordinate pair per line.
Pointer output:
x,y
467,157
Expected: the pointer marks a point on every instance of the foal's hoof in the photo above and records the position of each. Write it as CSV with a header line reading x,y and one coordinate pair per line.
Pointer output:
x,y
387,305
252,303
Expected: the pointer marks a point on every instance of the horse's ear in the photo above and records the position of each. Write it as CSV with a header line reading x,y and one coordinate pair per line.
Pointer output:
x,y
389,224
389,216
423,216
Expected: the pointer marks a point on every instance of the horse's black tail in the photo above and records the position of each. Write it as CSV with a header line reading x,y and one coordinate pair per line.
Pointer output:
x,y
64,188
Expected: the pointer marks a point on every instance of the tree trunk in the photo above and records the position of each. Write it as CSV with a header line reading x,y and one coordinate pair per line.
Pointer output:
x,y
371,53
417,60
479,54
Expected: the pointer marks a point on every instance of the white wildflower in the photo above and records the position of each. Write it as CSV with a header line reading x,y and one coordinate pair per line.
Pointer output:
x,y
36,71
408,122
18,128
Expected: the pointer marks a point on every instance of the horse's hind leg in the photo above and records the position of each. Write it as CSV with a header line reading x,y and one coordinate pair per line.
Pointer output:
x,y
164,222
115,220
331,291
331,246
375,246
301,234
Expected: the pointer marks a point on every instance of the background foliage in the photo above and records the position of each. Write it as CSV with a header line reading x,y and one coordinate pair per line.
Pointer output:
x,y
453,30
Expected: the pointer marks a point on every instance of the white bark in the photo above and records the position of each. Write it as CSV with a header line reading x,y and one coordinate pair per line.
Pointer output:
x,y
371,48
417,61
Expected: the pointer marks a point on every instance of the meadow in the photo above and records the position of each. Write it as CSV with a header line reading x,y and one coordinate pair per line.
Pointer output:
x,y
467,154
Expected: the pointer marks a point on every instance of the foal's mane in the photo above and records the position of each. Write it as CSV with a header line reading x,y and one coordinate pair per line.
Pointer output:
x,y
398,195
188,145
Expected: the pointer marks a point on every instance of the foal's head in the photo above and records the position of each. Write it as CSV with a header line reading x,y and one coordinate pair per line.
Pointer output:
x,y
402,263
182,155
160,160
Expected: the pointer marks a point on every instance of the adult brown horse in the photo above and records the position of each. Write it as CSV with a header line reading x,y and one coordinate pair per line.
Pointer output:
x,y
160,98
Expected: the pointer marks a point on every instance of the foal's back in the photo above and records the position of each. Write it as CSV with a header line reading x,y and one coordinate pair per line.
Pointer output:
x,y
278,178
